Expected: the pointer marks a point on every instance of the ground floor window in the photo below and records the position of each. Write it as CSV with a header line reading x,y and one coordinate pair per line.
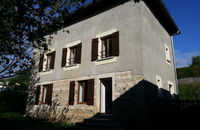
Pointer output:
x,y
47,94
86,92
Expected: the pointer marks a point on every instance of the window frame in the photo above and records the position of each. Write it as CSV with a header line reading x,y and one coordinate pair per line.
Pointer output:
x,y
106,38
46,89
74,48
48,61
83,91
44,95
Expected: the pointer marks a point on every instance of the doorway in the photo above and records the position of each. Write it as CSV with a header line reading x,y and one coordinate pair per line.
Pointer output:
x,y
106,95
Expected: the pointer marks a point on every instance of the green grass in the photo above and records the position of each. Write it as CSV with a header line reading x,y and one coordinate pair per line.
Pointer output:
x,y
17,121
189,91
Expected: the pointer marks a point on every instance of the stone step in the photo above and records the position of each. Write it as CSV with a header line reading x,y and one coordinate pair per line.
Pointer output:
x,y
96,125
103,115
98,120
84,128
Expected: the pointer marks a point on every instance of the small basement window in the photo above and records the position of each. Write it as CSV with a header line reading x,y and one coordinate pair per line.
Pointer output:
x,y
167,54
171,88
159,81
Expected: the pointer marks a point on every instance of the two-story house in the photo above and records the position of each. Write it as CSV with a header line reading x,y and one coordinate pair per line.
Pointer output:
x,y
114,56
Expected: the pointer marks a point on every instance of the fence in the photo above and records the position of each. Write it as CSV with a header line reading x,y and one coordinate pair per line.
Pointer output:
x,y
180,105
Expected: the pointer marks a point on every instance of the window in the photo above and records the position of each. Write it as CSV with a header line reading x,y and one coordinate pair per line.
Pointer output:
x,y
159,81
86,92
47,61
83,92
171,88
167,54
71,57
105,46
47,94
106,49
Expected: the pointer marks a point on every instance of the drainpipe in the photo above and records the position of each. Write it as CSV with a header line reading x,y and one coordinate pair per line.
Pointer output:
x,y
174,64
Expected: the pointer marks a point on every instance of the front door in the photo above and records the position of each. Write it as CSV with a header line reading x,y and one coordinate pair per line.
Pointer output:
x,y
106,95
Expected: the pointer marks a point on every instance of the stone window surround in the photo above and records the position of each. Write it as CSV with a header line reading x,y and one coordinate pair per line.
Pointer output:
x,y
172,87
105,60
159,81
167,54
74,66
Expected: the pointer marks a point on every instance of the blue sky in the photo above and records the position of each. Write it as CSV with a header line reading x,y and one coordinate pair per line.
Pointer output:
x,y
187,16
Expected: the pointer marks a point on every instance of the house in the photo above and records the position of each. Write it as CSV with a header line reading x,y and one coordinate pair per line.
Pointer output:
x,y
116,57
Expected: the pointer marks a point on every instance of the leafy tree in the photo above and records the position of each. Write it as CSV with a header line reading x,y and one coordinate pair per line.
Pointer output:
x,y
190,71
14,98
23,25
196,60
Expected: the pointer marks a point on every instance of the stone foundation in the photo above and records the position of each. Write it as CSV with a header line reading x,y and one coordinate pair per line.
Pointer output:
x,y
122,83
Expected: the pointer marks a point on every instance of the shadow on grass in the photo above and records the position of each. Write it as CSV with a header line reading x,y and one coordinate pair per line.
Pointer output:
x,y
17,121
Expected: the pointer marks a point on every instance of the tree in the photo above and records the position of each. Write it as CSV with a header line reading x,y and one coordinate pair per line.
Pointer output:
x,y
14,97
196,60
23,25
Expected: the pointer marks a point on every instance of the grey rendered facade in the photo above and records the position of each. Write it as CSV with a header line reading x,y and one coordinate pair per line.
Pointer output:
x,y
142,57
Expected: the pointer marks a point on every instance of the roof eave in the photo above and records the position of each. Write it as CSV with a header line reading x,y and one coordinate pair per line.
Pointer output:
x,y
162,14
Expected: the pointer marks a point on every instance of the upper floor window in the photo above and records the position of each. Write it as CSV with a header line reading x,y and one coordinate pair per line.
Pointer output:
x,y
71,55
167,54
106,49
106,46
47,61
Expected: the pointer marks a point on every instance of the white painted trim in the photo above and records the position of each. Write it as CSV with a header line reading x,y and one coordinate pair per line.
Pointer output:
x,y
72,44
99,48
103,97
106,33
67,68
106,61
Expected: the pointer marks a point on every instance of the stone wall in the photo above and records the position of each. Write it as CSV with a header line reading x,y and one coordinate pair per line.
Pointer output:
x,y
123,83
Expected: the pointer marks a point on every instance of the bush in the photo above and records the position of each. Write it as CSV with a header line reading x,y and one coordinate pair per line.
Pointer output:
x,y
192,71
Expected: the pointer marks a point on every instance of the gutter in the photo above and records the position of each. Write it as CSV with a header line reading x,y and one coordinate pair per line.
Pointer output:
x,y
174,62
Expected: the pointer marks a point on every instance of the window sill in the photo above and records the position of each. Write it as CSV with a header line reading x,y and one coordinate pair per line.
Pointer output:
x,y
46,72
71,67
106,60
168,62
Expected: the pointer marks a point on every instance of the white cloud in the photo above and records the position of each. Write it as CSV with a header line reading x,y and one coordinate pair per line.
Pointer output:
x,y
184,59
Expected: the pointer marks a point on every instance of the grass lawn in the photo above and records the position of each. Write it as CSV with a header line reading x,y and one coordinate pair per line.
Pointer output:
x,y
15,121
